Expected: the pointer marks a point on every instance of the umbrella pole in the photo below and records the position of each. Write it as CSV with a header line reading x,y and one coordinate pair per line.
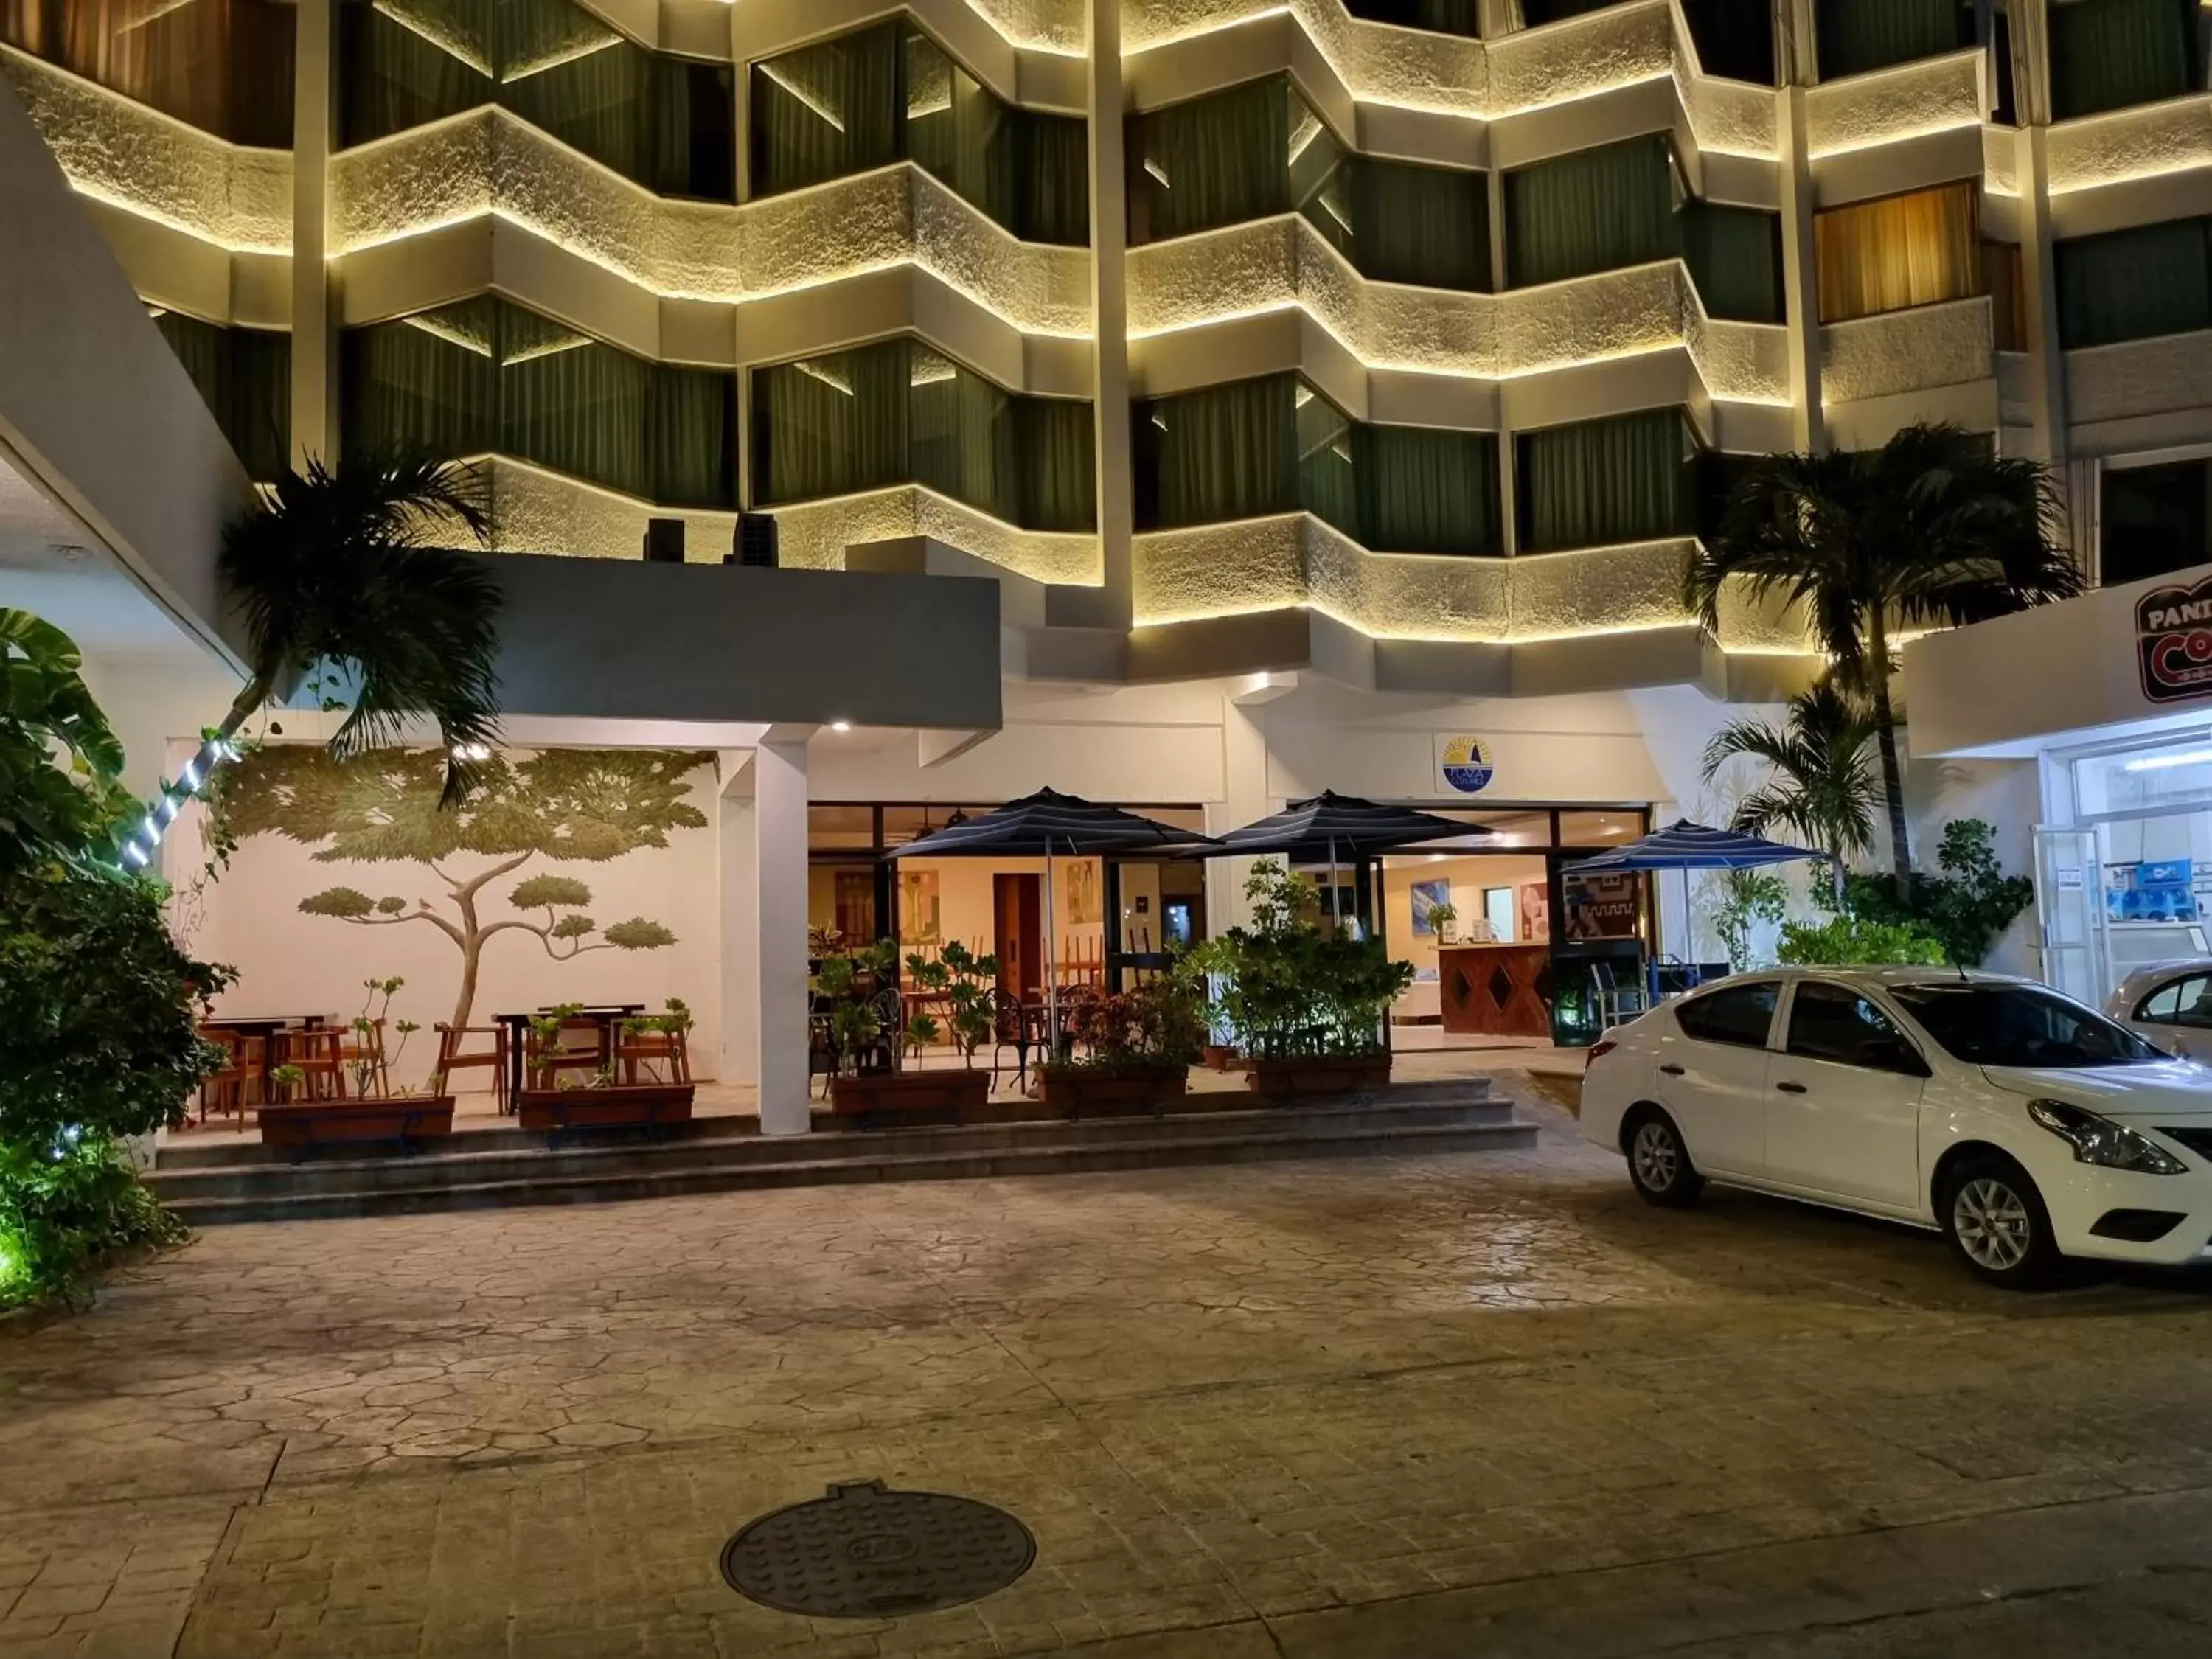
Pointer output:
x,y
1051,967
1335,901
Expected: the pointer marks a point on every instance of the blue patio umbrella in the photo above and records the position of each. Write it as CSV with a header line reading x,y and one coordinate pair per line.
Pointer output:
x,y
1685,847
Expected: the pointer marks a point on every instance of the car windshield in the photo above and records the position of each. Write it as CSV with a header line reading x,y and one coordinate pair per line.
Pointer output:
x,y
1986,1024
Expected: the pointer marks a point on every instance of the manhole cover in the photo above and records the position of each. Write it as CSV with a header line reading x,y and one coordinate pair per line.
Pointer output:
x,y
866,1551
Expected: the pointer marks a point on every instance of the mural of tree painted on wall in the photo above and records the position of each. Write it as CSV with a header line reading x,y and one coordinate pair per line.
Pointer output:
x,y
563,805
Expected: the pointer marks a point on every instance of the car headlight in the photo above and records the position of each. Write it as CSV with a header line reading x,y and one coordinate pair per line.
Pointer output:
x,y
2100,1141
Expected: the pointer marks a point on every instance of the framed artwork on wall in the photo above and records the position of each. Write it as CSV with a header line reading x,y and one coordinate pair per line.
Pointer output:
x,y
1427,895
1083,901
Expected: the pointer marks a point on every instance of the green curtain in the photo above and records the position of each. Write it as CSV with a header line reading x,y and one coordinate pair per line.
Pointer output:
x,y
1854,36
1328,465
1425,491
1460,17
1429,226
428,383
1733,38
1599,484
831,426
2108,54
2134,284
599,103
1056,464
1219,159
1052,178
1320,170
391,78
244,376
691,436
825,111
2153,519
1735,255
1218,454
1597,209
962,432
957,129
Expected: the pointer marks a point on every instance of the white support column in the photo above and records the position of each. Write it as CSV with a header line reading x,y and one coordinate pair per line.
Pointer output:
x,y
2030,59
1245,799
764,930
313,84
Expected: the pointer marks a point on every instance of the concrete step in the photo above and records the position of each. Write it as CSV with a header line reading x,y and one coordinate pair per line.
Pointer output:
x,y
479,1180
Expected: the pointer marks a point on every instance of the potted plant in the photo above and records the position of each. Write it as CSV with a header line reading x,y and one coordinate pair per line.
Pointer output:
x,y
1444,918
554,1103
375,1113
1130,1051
867,1078
1307,1008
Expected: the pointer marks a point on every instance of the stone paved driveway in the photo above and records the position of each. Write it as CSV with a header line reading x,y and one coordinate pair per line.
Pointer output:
x,y
1481,1403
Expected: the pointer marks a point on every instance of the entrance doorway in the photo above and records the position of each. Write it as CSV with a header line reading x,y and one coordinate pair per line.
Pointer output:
x,y
1017,913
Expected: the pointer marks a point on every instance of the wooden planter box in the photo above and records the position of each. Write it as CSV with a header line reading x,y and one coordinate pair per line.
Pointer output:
x,y
301,1126
1326,1074
1219,1057
621,1106
1136,1090
907,1095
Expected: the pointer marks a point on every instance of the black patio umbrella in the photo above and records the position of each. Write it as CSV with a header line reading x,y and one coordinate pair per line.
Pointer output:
x,y
1333,827
1047,825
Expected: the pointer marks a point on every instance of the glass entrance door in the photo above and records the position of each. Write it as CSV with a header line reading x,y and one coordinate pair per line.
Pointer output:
x,y
2069,908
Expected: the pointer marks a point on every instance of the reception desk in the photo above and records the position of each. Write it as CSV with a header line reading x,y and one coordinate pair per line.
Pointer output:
x,y
1495,990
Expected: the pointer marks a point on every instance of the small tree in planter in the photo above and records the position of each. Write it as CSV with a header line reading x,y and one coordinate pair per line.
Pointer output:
x,y
1130,1049
554,1103
854,982
1307,1008
965,980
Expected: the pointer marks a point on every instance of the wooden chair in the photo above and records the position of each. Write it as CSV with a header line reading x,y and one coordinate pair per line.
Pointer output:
x,y
453,1057
665,1055
580,1045
242,1080
1016,1025
317,1050
363,1054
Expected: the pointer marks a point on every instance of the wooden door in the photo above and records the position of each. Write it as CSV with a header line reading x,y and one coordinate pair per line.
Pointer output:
x,y
1017,906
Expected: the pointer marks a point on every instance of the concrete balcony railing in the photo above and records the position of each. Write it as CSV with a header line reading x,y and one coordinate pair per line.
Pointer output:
x,y
131,157
814,535
2138,378
1926,96
1916,351
2123,168
1283,263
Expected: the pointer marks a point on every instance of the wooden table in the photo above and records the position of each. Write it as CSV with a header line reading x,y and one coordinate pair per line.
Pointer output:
x,y
1495,990
518,1028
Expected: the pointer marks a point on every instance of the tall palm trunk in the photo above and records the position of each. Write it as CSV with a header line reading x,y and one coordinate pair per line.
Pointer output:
x,y
1893,778
244,705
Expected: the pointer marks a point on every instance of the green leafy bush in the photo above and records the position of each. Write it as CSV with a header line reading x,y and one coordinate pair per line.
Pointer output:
x,y
1965,908
1747,897
97,1043
1158,1025
1857,942
1283,989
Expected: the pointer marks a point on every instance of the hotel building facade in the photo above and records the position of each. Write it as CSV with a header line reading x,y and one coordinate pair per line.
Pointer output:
x,y
1318,388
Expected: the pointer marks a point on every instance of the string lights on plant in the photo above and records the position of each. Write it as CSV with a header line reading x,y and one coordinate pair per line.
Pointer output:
x,y
142,842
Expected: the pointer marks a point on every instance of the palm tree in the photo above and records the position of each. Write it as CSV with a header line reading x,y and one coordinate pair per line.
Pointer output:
x,y
1820,787
1932,528
338,568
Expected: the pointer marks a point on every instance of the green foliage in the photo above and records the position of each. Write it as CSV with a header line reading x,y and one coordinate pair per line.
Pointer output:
x,y
1821,786
346,902
965,980
638,934
1965,908
97,1043
1160,1022
574,927
1284,989
1857,942
1748,898
59,762
549,892
348,573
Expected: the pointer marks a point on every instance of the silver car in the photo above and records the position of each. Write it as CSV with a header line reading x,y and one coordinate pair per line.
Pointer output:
x,y
2169,1003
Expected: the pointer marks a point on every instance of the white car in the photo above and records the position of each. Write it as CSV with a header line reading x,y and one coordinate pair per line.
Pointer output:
x,y
2024,1126
2170,1003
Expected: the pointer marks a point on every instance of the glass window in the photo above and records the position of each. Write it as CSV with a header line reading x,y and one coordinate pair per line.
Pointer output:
x,y
1424,225
2134,284
1917,249
830,827
1219,159
1599,828
890,93
1998,1024
1597,209
486,377
245,376
1742,1015
1733,38
667,123
224,66
900,412
1735,256
1425,491
1855,36
2153,519
1460,17
1600,484
2108,54
1833,1023
2179,1002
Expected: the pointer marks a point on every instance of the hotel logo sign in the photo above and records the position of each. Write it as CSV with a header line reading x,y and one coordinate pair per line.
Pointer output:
x,y
1463,763
2173,642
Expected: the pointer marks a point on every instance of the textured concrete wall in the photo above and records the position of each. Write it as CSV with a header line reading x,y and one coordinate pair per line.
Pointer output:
x,y
535,511
1931,94
814,535
135,158
2141,377
2131,143
1410,68
1928,346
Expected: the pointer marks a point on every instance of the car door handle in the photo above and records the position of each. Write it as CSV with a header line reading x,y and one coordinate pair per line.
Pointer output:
x,y
1790,1088
1671,1070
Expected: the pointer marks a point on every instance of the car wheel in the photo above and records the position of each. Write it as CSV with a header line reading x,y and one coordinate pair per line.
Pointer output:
x,y
1659,1163
1997,1223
